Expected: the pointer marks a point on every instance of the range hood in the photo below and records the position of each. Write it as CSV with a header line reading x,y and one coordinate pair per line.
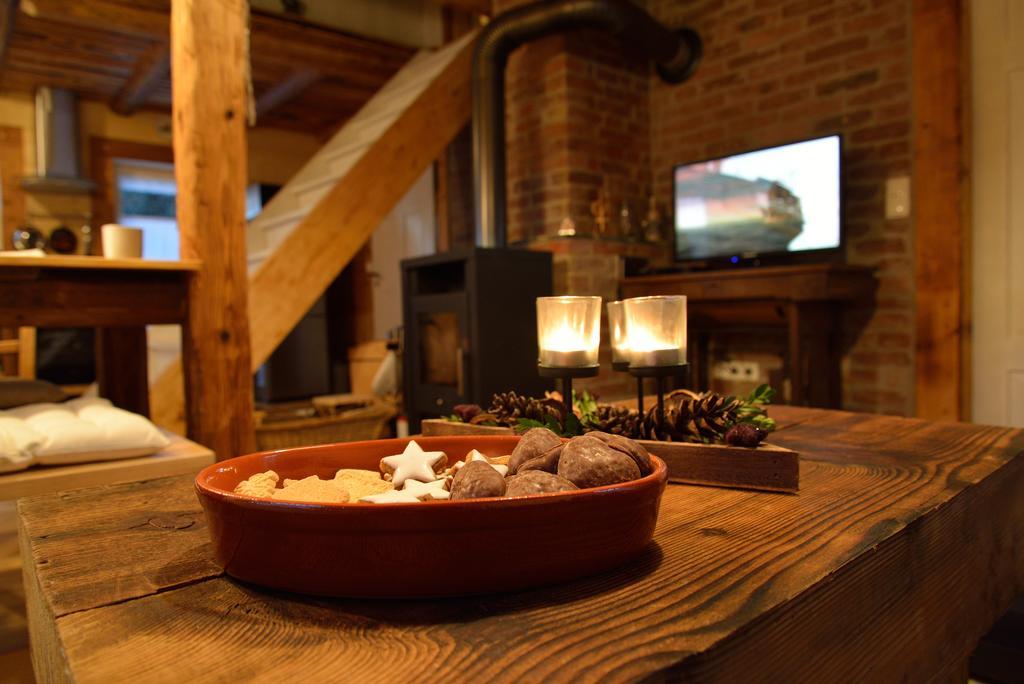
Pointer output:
x,y
57,145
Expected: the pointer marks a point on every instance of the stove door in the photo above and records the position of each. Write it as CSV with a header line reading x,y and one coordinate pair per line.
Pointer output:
x,y
436,349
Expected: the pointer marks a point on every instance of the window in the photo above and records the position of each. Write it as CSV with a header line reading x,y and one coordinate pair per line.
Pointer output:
x,y
147,193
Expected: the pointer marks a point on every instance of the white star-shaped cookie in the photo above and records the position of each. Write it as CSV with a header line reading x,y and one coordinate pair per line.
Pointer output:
x,y
412,464
425,491
393,496
475,455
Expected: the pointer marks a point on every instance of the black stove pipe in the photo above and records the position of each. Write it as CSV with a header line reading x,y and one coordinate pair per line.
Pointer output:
x,y
676,54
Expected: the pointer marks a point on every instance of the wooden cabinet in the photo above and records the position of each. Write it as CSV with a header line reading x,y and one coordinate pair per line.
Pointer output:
x,y
804,301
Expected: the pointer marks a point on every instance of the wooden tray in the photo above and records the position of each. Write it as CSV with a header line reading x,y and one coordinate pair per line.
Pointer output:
x,y
768,468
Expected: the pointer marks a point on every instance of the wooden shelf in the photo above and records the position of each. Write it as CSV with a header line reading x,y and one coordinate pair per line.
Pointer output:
x,y
98,262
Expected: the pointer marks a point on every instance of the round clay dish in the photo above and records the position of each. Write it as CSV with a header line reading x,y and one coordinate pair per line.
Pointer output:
x,y
433,548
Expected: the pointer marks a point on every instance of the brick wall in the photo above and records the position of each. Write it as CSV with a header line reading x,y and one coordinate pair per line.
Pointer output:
x,y
779,70
580,112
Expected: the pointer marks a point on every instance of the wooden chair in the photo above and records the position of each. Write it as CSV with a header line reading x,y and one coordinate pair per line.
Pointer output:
x,y
18,352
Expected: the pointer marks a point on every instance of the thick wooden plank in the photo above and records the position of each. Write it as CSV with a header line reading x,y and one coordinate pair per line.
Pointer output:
x,y
209,51
940,229
89,299
180,456
336,229
850,580
151,70
149,537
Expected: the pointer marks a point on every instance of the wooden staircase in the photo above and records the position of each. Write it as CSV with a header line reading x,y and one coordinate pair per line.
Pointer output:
x,y
317,223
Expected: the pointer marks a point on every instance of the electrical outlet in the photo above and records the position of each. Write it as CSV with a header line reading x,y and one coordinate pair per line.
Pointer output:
x,y
897,197
737,371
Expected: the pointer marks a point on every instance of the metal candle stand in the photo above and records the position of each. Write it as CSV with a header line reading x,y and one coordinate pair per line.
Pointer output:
x,y
659,372
566,375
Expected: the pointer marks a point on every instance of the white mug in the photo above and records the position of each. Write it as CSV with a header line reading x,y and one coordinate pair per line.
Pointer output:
x,y
120,242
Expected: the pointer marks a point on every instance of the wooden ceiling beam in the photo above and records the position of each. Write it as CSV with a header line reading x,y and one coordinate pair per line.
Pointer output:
x,y
477,6
102,15
8,9
151,70
286,90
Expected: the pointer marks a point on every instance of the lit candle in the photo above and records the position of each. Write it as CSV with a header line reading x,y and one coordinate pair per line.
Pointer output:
x,y
656,331
568,331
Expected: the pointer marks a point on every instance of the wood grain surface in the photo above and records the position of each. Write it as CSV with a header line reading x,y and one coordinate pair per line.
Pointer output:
x,y
902,547
210,81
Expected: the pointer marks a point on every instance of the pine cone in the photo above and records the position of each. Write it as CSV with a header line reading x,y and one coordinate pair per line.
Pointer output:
x,y
509,407
691,417
617,420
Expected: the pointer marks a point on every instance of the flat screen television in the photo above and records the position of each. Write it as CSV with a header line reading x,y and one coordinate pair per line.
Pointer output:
x,y
776,205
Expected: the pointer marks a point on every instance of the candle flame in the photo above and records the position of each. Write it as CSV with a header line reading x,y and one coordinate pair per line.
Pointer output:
x,y
643,340
565,339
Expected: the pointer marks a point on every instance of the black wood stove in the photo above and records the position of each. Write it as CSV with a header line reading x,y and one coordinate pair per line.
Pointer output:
x,y
470,321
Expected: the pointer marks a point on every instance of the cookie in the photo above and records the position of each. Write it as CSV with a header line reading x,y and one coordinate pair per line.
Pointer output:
x,y
427,491
360,483
413,464
260,484
312,490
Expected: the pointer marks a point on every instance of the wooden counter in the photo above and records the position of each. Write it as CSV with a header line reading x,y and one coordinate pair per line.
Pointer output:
x,y
901,549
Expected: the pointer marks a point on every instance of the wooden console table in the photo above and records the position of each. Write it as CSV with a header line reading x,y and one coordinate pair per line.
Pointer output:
x,y
802,300
900,551
119,297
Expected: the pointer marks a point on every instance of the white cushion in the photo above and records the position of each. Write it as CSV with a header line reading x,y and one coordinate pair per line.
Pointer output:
x,y
88,429
18,443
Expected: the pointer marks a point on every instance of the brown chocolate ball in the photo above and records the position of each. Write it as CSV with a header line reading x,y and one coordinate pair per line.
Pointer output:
x,y
477,480
588,462
548,461
634,450
536,482
532,444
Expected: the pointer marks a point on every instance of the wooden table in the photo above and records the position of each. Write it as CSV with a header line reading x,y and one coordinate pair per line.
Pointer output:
x,y
803,300
903,546
119,297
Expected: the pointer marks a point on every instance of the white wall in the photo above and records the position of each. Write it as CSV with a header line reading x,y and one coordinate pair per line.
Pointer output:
x,y
408,231
997,205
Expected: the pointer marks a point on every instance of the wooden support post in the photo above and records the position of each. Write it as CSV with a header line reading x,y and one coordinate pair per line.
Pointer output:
x,y
940,234
209,55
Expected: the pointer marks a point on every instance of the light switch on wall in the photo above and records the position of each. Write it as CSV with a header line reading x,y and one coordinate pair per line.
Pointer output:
x,y
897,197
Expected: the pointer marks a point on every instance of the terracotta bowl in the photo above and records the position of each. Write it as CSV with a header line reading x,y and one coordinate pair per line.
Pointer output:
x,y
433,548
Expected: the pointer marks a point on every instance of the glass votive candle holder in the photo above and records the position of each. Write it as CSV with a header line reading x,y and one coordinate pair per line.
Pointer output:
x,y
568,331
617,331
656,331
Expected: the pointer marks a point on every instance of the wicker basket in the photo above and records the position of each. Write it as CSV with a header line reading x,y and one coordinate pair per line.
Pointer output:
x,y
351,426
